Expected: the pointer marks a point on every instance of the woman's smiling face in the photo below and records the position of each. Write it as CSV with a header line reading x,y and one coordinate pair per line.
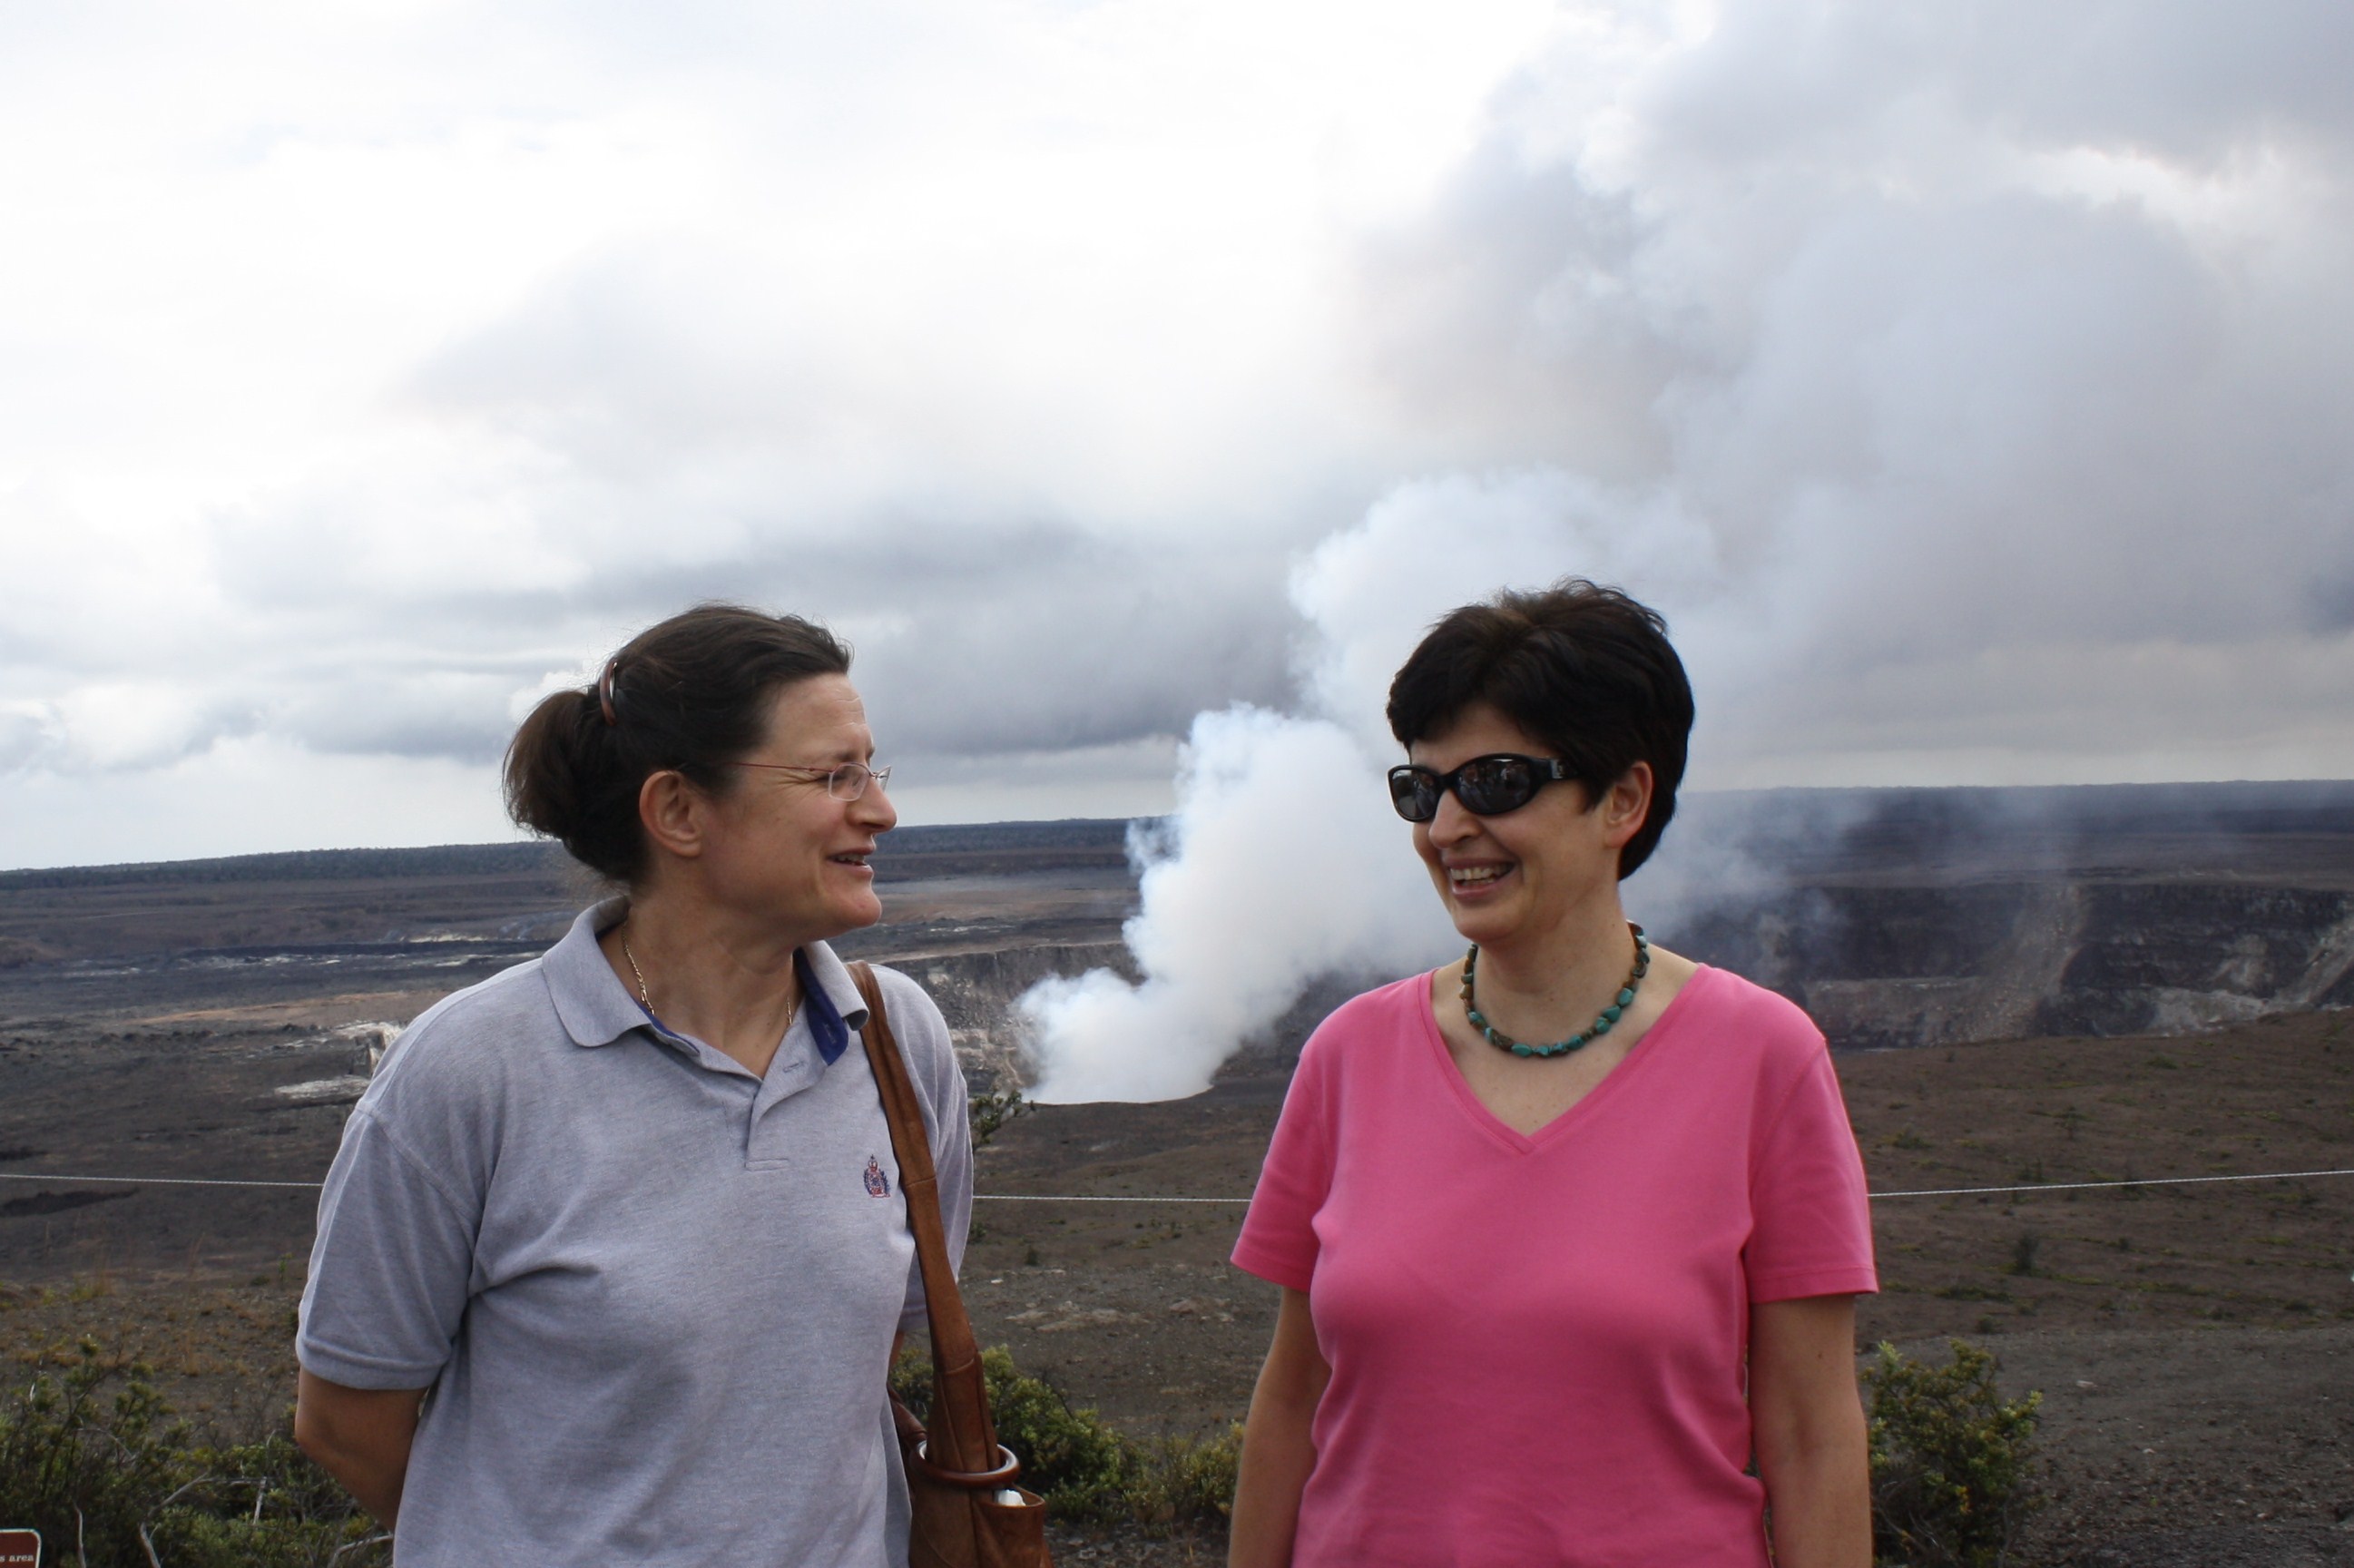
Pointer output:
x,y
780,843
1521,873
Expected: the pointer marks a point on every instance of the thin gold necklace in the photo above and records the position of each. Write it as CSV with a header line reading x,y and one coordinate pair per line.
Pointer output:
x,y
646,1001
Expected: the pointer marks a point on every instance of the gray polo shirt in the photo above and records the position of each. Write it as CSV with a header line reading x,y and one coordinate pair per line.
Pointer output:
x,y
653,1295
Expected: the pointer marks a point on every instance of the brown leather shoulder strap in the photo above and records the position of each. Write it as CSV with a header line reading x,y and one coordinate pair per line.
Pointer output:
x,y
963,1437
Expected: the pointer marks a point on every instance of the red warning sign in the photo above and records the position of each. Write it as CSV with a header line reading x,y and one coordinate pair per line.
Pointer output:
x,y
20,1549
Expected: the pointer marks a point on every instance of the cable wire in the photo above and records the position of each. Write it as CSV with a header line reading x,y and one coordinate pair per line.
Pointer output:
x,y
2087,1186
156,1181
1157,1198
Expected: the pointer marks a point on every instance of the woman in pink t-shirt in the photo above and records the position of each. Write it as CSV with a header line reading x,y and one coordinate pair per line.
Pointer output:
x,y
1570,1231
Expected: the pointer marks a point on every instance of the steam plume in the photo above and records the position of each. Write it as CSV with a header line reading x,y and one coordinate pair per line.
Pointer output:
x,y
1283,861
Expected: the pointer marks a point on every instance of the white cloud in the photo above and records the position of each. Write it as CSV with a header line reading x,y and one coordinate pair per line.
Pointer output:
x,y
1975,418
358,366
208,804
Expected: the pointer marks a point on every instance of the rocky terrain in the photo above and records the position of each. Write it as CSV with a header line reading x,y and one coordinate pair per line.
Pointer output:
x,y
1910,917
2093,990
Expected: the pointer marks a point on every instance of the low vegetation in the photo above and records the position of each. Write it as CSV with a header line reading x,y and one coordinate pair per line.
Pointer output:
x,y
1085,1469
92,1458
989,1113
1953,1465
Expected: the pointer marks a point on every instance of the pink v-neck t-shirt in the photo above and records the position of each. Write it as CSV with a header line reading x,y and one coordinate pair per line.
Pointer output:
x,y
1538,1343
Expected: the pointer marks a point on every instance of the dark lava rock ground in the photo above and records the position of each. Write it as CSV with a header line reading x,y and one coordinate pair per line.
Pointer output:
x,y
2194,1344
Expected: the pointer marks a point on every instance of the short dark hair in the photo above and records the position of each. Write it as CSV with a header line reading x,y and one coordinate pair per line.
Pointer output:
x,y
692,693
1585,669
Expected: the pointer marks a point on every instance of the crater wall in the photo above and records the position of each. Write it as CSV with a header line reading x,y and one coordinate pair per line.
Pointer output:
x,y
1883,967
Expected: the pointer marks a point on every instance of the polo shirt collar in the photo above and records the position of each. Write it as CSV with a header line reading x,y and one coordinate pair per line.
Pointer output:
x,y
829,1000
596,1008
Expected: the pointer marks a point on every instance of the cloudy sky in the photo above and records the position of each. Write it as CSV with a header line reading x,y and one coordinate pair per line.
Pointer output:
x,y
1972,381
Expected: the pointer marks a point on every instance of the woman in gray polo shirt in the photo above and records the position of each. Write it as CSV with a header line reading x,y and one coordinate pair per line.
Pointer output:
x,y
611,1262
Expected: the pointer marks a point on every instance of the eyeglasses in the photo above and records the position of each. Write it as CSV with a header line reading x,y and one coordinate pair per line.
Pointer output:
x,y
1488,785
843,781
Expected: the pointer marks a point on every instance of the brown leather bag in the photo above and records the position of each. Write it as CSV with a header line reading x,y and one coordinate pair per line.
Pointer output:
x,y
957,1471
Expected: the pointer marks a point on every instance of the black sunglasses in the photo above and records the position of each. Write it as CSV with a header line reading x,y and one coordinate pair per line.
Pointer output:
x,y
1488,785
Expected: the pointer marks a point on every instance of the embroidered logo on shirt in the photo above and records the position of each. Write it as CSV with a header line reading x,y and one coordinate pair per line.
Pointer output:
x,y
877,1183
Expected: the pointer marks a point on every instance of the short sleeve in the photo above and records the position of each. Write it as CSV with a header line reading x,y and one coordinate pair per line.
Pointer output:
x,y
1811,1221
390,1270
1278,1235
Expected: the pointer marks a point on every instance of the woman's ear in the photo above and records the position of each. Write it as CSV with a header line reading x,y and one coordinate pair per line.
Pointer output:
x,y
1627,805
672,810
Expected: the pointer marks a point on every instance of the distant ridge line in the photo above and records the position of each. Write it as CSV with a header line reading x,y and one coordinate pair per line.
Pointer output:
x,y
525,857
2248,807
304,865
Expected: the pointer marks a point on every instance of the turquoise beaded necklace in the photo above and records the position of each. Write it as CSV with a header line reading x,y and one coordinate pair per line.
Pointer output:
x,y
1602,1022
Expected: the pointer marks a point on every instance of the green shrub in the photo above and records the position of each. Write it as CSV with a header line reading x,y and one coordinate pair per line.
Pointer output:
x,y
987,1113
911,1380
1187,1481
266,1503
1085,1469
115,1483
1953,1466
81,1468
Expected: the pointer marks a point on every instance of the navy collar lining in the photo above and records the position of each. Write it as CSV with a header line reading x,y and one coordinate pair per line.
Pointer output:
x,y
825,1024
597,1007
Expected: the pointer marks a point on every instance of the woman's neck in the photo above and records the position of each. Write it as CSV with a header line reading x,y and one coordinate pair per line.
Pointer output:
x,y
1548,981
728,982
